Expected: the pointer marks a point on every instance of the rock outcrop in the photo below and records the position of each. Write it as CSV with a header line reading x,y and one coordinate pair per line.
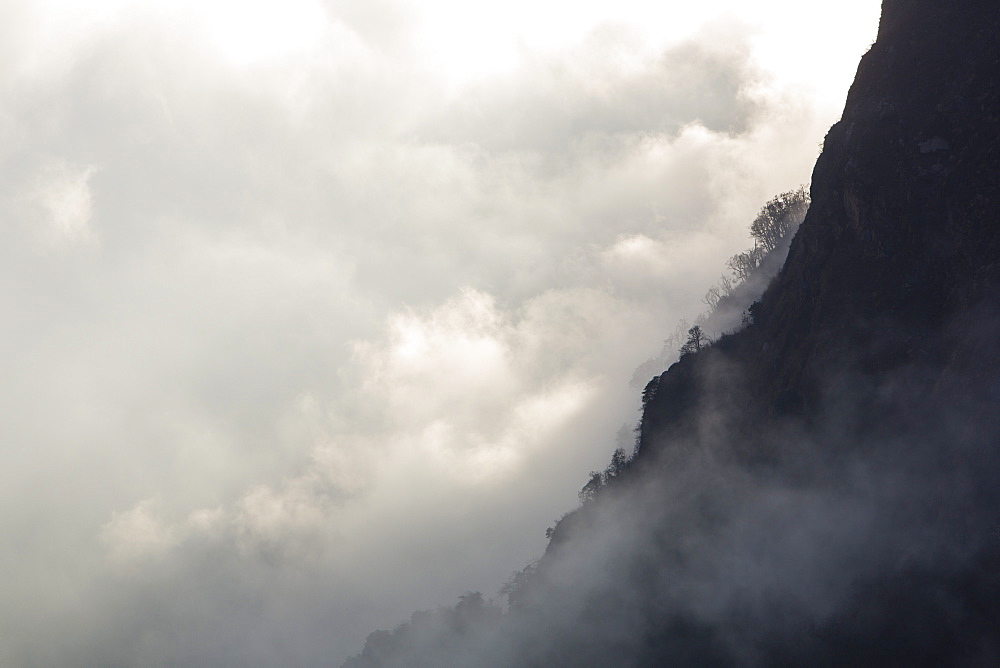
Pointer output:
x,y
898,261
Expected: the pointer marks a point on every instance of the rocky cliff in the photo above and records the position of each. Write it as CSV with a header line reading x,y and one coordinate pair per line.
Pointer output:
x,y
820,488
896,263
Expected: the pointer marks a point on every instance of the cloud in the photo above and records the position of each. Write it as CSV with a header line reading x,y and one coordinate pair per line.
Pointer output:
x,y
329,315
58,204
136,534
609,87
256,30
844,544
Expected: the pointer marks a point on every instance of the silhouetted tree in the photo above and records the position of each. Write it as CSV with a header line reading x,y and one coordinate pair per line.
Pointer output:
x,y
718,291
472,609
593,486
601,479
619,462
695,342
778,217
744,264
649,392
514,588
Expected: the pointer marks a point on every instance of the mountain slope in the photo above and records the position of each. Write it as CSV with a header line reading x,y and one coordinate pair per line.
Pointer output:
x,y
819,487
902,235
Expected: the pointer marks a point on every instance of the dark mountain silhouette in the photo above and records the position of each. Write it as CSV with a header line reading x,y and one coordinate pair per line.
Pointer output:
x,y
823,486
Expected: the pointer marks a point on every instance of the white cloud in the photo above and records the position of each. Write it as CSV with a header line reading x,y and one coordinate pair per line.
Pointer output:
x,y
137,534
466,385
352,317
249,31
60,203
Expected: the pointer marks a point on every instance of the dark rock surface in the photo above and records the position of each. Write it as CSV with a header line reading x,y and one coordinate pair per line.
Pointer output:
x,y
902,240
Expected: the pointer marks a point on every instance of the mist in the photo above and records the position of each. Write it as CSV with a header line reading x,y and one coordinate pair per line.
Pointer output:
x,y
320,315
816,486
841,545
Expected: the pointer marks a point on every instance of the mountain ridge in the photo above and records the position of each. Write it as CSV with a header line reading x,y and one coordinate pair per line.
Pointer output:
x,y
818,487
852,275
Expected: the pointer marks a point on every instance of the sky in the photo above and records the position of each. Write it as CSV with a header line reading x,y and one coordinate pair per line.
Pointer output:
x,y
320,312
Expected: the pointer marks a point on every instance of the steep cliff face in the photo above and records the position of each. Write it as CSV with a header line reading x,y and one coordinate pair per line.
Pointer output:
x,y
896,264
869,378
819,488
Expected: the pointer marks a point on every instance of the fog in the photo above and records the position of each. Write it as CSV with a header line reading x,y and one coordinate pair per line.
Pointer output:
x,y
320,313
840,548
